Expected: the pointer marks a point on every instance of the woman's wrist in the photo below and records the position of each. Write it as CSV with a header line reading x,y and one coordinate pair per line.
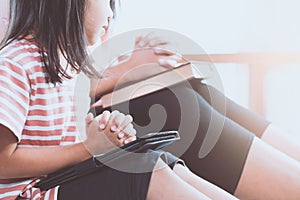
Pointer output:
x,y
120,72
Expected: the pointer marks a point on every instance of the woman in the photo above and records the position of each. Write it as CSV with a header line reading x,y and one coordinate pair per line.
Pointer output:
x,y
40,58
240,162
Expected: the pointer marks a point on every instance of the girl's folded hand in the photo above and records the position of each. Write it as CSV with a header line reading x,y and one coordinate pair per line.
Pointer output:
x,y
108,131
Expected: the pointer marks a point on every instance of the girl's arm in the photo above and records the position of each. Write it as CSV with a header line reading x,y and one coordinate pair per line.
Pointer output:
x,y
31,162
18,162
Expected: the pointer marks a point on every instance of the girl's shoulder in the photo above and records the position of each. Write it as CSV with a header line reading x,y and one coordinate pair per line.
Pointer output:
x,y
22,53
18,49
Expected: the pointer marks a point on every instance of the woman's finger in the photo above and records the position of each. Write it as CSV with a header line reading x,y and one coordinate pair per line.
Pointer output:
x,y
151,40
155,42
138,40
174,57
168,63
144,42
165,50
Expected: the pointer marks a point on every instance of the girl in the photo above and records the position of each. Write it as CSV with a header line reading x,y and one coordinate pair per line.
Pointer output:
x,y
41,55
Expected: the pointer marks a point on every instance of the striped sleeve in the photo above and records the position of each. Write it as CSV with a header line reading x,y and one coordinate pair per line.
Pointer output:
x,y
14,96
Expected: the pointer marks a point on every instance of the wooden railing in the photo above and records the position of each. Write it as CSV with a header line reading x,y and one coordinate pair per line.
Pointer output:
x,y
259,65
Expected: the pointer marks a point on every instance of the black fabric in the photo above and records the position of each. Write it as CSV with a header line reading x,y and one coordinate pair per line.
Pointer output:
x,y
172,160
181,108
243,116
132,152
127,178
107,184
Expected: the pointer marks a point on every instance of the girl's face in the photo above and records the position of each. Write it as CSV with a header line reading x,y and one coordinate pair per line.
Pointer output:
x,y
97,17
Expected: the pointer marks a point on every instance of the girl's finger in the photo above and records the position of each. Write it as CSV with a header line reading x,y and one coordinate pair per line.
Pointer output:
x,y
118,121
129,130
121,135
104,119
130,139
126,121
112,120
89,118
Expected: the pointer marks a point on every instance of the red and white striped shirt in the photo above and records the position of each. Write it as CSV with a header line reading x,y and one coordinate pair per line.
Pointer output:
x,y
40,114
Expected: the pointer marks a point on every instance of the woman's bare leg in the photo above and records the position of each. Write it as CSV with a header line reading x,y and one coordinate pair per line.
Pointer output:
x,y
269,174
200,184
285,142
165,184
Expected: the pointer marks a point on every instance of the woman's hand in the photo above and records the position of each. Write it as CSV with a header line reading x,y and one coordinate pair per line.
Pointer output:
x,y
154,49
108,131
152,55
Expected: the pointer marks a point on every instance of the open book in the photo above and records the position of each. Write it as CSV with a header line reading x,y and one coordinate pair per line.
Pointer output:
x,y
182,72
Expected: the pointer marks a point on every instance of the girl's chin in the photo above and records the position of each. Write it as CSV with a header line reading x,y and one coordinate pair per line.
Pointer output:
x,y
92,46
94,40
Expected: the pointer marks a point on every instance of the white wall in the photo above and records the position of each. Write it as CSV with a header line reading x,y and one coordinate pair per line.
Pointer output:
x,y
272,25
216,25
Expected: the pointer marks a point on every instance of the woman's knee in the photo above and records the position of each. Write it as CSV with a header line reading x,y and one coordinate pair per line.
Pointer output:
x,y
269,174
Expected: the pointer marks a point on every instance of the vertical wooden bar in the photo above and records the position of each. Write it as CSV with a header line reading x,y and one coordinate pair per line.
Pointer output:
x,y
257,75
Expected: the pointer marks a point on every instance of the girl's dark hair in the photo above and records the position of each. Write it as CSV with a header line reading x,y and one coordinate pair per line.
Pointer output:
x,y
57,25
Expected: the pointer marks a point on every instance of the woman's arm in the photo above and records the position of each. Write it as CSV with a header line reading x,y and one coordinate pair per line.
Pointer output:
x,y
111,77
